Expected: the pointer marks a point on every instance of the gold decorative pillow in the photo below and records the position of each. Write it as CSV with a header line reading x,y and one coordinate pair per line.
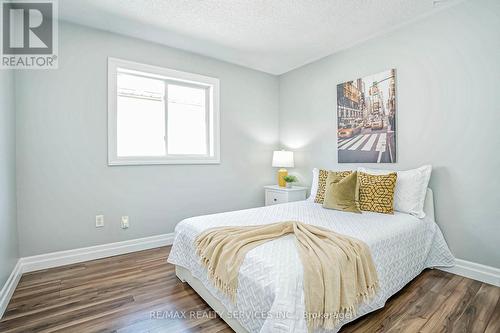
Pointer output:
x,y
342,192
322,176
376,192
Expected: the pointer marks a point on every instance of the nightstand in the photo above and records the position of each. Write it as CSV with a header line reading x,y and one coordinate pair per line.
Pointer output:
x,y
276,194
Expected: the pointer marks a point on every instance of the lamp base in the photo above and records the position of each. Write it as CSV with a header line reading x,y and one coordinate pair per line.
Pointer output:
x,y
282,173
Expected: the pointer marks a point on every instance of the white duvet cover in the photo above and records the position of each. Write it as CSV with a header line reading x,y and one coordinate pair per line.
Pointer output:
x,y
270,294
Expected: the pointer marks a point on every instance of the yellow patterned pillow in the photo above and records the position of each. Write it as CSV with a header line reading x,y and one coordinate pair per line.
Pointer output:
x,y
322,176
376,192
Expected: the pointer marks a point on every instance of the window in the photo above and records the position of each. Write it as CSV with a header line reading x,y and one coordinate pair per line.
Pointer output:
x,y
161,116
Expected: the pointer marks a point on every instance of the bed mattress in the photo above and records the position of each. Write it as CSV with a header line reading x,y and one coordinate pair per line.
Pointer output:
x,y
270,295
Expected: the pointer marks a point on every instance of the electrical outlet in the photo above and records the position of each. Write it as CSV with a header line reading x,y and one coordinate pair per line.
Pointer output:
x,y
125,223
99,221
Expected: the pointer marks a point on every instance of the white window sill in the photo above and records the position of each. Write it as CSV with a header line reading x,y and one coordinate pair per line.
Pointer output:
x,y
164,162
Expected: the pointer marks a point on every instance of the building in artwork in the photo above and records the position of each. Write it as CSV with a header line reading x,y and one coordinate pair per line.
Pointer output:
x,y
376,100
350,102
391,102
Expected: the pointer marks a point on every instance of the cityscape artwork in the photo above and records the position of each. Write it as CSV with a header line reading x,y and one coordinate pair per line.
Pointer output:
x,y
366,119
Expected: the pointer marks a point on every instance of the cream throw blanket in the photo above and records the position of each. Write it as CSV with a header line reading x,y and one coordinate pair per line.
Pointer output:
x,y
338,270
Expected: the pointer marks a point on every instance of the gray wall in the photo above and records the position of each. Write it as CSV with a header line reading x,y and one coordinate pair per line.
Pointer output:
x,y
8,227
448,81
63,177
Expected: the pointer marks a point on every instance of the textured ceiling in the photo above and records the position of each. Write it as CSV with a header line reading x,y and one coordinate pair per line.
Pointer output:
x,y
273,36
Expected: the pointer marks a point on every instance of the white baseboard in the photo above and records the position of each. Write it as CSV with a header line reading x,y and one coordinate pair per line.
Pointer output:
x,y
9,287
472,270
61,258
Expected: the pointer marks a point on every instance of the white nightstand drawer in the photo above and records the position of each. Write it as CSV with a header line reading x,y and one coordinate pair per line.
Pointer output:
x,y
275,197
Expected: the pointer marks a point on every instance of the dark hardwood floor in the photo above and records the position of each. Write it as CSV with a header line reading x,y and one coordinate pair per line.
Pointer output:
x,y
125,293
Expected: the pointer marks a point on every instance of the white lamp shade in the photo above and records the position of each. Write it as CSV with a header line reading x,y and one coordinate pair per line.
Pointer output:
x,y
283,159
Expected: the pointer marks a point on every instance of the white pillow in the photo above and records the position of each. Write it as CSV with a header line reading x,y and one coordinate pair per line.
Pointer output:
x,y
314,185
411,187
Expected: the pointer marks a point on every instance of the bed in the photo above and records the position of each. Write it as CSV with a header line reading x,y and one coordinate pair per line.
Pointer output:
x,y
270,295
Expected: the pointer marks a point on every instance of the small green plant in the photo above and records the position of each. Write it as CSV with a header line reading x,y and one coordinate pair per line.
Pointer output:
x,y
290,179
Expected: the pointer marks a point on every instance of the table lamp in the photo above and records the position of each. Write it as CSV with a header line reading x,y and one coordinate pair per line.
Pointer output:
x,y
282,159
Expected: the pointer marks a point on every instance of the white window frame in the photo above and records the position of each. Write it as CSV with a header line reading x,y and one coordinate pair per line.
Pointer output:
x,y
178,77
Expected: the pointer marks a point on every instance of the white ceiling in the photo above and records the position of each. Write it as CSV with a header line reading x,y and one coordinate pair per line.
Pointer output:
x,y
273,36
